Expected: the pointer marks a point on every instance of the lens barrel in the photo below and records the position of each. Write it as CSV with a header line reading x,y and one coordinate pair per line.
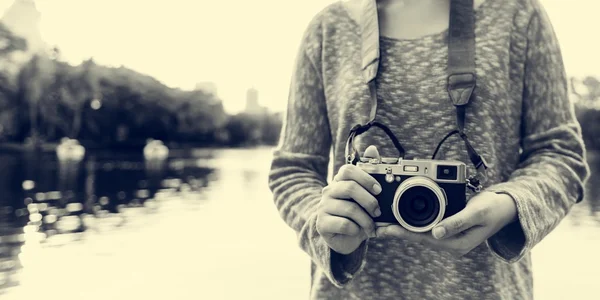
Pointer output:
x,y
419,204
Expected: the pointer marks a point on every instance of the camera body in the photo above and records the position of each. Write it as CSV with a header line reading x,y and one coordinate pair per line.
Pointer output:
x,y
416,193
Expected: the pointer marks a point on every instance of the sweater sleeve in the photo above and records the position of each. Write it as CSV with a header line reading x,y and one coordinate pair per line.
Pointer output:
x,y
299,169
553,170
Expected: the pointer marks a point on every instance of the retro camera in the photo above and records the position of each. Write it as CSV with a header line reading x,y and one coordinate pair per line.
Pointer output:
x,y
416,193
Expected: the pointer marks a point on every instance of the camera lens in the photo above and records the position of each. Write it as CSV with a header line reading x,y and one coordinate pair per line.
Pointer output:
x,y
419,206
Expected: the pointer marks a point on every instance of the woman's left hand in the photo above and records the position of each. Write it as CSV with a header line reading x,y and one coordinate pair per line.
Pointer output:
x,y
484,215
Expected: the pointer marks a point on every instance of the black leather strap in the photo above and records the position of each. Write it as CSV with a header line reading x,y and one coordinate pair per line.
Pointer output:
x,y
353,157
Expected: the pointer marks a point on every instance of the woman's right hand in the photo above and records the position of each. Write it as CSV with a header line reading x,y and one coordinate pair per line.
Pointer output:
x,y
346,209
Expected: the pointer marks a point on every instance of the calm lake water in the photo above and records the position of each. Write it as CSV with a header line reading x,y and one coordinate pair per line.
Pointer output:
x,y
201,225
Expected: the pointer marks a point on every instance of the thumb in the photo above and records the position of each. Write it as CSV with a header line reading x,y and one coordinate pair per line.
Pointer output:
x,y
456,224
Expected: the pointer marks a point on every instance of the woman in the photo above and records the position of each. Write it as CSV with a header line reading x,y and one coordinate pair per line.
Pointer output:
x,y
519,119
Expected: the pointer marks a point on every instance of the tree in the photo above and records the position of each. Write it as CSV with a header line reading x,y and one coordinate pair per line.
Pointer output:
x,y
253,129
587,108
35,82
83,88
586,89
9,45
9,42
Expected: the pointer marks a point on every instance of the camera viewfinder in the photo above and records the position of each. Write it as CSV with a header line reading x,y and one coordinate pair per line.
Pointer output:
x,y
447,172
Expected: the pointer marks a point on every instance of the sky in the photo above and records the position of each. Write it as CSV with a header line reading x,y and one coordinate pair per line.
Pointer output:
x,y
237,44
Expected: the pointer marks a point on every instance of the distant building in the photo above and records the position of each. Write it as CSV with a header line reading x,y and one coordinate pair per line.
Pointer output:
x,y
251,100
209,87
252,105
23,19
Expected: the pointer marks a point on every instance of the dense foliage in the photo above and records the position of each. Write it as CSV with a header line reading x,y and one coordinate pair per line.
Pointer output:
x,y
9,104
108,106
587,108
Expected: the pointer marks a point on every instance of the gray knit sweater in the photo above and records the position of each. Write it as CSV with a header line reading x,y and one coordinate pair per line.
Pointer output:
x,y
520,119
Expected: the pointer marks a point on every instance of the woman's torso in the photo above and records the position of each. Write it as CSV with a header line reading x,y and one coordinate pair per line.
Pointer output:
x,y
414,103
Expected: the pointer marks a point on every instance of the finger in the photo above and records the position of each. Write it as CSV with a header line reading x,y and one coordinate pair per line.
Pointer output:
x,y
352,172
383,224
351,210
468,217
353,191
328,224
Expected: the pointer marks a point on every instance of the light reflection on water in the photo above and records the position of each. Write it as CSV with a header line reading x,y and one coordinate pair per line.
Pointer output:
x,y
198,226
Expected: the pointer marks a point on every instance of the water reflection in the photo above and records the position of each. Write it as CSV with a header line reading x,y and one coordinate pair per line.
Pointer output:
x,y
47,201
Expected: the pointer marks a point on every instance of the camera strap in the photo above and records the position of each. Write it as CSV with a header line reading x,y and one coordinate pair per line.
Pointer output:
x,y
461,76
360,129
366,15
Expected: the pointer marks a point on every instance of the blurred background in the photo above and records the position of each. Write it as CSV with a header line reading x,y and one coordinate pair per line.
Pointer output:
x,y
136,138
